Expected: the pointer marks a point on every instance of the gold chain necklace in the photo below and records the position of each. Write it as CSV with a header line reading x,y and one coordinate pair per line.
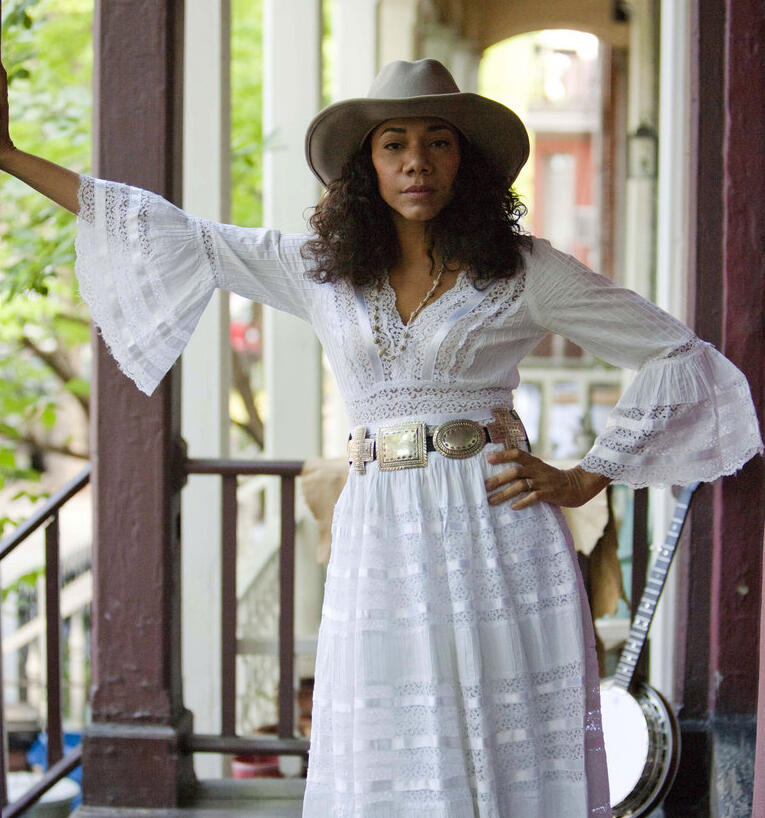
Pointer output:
x,y
382,342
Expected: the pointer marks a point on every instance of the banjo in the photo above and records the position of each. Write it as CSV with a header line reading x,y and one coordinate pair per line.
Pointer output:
x,y
640,729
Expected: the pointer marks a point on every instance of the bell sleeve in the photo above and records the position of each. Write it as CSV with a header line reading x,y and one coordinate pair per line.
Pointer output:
x,y
688,413
147,270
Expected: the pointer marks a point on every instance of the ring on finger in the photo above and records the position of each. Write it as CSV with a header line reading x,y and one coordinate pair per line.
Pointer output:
x,y
529,484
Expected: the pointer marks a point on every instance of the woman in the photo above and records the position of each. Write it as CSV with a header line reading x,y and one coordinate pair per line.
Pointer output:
x,y
455,671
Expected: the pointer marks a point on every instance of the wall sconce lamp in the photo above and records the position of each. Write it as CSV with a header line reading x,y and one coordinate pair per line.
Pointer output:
x,y
642,151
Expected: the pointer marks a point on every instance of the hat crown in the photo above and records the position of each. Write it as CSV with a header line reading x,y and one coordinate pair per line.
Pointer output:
x,y
402,79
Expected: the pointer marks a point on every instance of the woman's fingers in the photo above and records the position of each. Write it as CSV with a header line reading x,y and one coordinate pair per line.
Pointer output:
x,y
515,488
5,138
531,480
512,456
530,498
527,481
503,477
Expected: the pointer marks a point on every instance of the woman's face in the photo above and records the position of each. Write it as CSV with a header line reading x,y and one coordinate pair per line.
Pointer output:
x,y
416,160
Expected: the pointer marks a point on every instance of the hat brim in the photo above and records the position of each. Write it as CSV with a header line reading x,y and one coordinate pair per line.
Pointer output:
x,y
337,132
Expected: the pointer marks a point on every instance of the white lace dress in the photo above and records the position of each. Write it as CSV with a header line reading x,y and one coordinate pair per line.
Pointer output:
x,y
455,674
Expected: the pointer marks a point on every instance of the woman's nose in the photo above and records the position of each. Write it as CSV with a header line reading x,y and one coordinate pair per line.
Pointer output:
x,y
417,161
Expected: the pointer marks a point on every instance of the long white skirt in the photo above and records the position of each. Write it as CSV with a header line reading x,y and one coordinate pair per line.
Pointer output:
x,y
456,674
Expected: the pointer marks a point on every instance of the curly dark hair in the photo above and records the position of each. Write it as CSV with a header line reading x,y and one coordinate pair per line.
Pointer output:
x,y
355,237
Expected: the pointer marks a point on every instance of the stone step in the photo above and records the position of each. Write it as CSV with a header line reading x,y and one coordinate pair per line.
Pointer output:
x,y
225,798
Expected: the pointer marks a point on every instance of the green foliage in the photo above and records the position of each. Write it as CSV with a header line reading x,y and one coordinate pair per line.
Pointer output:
x,y
28,581
43,323
246,112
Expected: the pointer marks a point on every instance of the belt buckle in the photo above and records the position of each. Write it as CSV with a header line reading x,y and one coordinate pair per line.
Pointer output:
x,y
403,446
459,438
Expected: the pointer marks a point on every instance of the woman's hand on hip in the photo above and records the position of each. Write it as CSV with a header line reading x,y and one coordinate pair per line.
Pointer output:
x,y
531,480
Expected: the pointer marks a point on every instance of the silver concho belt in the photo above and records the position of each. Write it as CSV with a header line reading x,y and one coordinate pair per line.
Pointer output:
x,y
406,445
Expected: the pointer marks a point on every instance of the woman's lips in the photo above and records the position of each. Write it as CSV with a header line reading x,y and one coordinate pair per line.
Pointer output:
x,y
419,190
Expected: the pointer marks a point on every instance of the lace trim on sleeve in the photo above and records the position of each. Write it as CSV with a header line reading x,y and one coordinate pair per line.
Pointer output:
x,y
205,231
143,271
687,416
86,199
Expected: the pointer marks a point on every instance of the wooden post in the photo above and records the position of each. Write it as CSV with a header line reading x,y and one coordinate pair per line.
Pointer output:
x,y
720,594
740,501
132,755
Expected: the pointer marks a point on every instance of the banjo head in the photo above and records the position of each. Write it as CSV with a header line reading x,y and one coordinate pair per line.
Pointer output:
x,y
625,735
642,742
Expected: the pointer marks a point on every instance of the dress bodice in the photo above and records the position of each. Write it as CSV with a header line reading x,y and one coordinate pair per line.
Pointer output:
x,y
148,269
461,357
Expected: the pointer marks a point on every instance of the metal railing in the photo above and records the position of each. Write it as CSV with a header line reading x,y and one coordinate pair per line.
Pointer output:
x,y
228,741
58,764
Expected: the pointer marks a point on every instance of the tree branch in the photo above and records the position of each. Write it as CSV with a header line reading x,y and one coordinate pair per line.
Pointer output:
x,y
59,365
254,425
55,448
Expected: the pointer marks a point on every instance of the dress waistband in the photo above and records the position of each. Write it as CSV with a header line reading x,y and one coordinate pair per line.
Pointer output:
x,y
406,445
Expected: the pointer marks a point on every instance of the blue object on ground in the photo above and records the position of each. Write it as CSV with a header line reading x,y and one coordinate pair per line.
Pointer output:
x,y
37,755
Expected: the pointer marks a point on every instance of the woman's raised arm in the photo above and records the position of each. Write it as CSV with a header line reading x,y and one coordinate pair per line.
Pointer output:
x,y
57,183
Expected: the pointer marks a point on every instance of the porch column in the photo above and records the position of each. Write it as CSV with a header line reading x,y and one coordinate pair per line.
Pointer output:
x,y
641,180
465,62
355,46
205,364
740,499
720,595
398,30
291,97
438,42
672,255
131,754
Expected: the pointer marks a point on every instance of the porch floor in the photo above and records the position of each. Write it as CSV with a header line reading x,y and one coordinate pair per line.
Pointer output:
x,y
261,798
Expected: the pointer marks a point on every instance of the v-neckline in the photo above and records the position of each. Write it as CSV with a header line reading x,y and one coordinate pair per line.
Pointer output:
x,y
386,285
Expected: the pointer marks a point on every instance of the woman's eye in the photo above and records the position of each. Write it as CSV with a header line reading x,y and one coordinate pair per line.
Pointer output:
x,y
391,146
441,143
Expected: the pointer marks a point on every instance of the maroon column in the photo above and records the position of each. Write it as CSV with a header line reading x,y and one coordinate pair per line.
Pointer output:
x,y
131,753
704,315
740,501
759,761
719,615
719,606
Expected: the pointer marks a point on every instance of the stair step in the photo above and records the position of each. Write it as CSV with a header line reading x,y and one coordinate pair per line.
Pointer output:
x,y
226,798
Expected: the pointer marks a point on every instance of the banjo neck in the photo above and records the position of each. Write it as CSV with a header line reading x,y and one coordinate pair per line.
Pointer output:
x,y
657,577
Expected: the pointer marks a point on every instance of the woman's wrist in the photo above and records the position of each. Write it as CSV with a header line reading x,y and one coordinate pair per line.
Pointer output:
x,y
57,183
6,152
585,483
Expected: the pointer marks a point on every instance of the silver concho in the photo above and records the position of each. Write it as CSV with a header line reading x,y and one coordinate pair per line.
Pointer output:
x,y
402,447
459,438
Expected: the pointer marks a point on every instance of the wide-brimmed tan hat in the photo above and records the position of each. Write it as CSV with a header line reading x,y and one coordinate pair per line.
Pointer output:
x,y
424,88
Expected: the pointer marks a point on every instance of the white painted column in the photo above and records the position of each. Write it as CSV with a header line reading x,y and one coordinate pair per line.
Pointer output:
x,y
354,45
78,694
465,63
398,31
641,110
291,97
438,42
206,378
671,263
